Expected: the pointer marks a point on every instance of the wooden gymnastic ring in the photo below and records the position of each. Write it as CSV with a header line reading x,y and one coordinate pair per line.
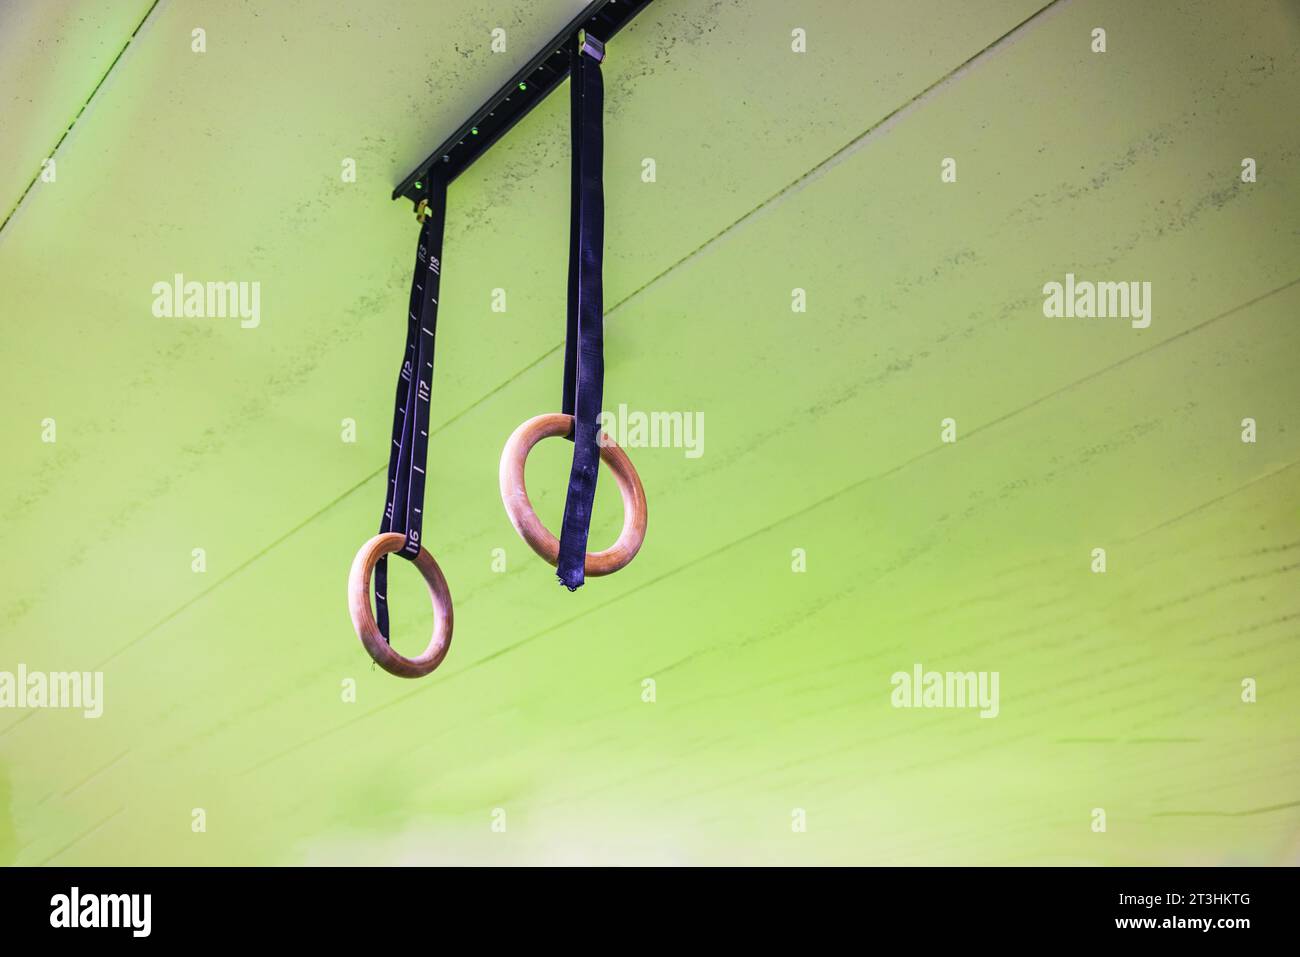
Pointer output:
x,y
514,495
363,619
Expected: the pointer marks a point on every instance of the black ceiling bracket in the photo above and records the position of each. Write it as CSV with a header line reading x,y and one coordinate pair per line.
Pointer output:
x,y
507,106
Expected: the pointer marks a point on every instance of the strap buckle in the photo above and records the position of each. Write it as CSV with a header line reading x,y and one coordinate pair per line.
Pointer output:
x,y
592,47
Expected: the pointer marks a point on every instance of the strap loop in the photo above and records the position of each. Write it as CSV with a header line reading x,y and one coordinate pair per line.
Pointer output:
x,y
584,364
403,510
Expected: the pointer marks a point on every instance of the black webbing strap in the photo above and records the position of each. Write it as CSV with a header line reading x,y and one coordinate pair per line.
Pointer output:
x,y
584,364
403,512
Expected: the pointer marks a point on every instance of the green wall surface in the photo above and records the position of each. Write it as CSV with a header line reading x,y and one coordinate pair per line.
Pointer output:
x,y
729,697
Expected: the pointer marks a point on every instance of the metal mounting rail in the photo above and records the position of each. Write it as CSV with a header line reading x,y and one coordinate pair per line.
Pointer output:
x,y
543,73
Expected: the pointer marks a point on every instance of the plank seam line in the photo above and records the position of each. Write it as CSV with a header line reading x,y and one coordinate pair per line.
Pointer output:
x,y
848,489
85,104
81,837
238,568
1249,813
811,175
804,179
871,133
722,548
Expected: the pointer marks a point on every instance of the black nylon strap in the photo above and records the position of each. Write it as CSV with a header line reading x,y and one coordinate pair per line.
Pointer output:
x,y
403,511
584,365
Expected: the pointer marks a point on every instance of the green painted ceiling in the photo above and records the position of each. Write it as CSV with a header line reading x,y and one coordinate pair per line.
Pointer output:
x,y
775,170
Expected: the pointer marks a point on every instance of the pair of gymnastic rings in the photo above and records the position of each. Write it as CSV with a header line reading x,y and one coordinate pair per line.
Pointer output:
x,y
514,495
584,377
